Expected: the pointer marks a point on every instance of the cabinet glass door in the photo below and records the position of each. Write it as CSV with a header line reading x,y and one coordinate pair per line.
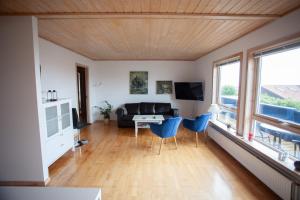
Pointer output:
x,y
52,121
65,115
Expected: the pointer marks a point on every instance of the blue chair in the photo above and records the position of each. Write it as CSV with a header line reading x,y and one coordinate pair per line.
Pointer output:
x,y
167,129
199,124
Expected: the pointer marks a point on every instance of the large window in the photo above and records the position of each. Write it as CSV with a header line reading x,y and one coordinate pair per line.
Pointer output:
x,y
276,112
227,73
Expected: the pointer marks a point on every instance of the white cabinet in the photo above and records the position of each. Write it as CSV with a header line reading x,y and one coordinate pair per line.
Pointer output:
x,y
49,193
59,129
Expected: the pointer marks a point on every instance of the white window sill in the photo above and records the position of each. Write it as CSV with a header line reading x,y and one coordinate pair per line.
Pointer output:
x,y
259,150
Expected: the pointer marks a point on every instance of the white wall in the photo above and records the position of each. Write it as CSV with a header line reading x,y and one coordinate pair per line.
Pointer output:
x,y
59,70
59,73
280,28
110,81
21,145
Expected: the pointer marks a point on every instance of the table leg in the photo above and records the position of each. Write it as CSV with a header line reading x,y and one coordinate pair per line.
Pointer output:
x,y
279,141
136,128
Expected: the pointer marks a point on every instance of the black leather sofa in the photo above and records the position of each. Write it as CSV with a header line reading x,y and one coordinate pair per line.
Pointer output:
x,y
126,113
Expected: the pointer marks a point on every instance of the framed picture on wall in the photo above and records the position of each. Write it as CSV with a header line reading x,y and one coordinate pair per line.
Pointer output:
x,y
164,87
138,82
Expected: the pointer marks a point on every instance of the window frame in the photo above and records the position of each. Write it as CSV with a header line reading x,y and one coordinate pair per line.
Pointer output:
x,y
255,68
216,86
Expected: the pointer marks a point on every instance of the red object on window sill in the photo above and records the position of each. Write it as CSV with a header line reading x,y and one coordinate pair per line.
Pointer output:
x,y
250,136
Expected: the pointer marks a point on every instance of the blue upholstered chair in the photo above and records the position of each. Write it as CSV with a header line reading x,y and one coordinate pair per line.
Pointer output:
x,y
198,125
167,129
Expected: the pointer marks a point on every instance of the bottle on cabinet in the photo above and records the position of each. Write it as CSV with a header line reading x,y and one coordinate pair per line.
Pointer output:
x,y
52,95
49,95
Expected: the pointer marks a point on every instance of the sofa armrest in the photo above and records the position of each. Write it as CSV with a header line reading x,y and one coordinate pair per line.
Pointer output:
x,y
174,112
120,112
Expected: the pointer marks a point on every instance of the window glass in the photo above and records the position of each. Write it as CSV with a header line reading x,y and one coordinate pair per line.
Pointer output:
x,y
278,97
227,117
229,84
277,138
228,88
279,86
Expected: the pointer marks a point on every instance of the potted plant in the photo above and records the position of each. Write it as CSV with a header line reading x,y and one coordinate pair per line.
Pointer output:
x,y
105,111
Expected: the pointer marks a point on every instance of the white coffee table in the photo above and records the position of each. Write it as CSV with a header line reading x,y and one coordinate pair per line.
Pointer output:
x,y
49,193
142,121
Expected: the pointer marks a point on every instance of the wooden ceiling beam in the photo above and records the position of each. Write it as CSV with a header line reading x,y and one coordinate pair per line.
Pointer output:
x,y
208,16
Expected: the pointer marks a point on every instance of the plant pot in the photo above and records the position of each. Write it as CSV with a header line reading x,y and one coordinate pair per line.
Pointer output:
x,y
106,120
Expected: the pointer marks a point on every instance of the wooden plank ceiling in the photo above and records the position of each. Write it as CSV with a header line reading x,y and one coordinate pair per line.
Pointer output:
x,y
147,29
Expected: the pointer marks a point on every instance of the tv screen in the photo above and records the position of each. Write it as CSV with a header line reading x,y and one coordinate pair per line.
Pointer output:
x,y
189,90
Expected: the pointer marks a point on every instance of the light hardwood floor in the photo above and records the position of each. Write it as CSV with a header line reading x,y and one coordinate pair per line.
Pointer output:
x,y
124,167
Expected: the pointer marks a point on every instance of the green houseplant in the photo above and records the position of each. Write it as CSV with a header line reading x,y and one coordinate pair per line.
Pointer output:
x,y
105,111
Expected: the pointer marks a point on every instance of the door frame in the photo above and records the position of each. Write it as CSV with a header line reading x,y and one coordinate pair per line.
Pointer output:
x,y
86,89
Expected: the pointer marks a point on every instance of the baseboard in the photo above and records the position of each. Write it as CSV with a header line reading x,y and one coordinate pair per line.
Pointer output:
x,y
25,183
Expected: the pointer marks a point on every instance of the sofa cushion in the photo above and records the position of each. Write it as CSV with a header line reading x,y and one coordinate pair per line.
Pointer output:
x,y
162,108
147,108
132,108
124,109
127,117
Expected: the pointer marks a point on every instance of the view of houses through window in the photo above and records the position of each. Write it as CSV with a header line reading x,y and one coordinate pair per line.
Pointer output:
x,y
278,97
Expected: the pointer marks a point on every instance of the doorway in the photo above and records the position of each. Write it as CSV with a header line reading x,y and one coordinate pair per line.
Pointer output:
x,y
82,93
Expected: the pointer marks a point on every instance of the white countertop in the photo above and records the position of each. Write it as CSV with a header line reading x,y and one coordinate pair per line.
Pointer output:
x,y
146,118
49,193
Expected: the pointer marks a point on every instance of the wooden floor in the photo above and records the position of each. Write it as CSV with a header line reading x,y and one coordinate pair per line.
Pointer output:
x,y
124,167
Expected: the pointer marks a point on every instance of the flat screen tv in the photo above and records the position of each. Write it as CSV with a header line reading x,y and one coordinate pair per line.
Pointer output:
x,y
189,91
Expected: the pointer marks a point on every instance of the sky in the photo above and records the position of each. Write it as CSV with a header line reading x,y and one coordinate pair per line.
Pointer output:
x,y
230,74
277,69
281,69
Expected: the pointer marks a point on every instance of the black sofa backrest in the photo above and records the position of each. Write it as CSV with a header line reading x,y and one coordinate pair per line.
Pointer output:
x,y
162,108
132,108
148,108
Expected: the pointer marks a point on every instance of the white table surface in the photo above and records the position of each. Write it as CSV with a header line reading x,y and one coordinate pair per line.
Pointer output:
x,y
49,193
147,118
